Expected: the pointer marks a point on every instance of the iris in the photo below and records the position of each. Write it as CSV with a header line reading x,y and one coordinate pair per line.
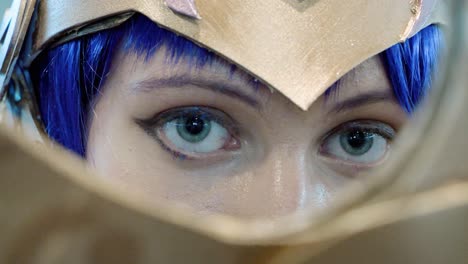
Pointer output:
x,y
193,128
356,142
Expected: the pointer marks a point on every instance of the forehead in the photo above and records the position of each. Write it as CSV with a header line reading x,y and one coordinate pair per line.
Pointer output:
x,y
369,75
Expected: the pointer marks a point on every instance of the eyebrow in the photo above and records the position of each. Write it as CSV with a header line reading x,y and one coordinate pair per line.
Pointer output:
x,y
218,86
362,100
227,88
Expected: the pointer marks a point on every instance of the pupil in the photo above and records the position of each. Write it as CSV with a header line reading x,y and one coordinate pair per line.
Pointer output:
x,y
357,139
357,142
194,125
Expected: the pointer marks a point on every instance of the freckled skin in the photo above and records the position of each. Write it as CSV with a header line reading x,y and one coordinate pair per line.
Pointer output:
x,y
277,169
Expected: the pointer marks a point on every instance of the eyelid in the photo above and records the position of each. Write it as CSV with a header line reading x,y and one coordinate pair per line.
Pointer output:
x,y
172,113
371,125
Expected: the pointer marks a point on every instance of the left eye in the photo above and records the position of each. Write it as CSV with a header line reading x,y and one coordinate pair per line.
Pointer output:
x,y
362,142
195,130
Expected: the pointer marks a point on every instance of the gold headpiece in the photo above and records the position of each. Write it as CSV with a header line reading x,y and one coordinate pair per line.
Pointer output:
x,y
299,48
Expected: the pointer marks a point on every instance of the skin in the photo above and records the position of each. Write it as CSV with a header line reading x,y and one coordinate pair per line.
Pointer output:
x,y
278,163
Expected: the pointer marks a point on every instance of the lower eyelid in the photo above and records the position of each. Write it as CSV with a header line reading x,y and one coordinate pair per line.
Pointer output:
x,y
157,136
349,169
332,159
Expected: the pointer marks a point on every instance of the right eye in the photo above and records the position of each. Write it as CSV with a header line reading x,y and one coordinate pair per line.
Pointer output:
x,y
195,131
359,142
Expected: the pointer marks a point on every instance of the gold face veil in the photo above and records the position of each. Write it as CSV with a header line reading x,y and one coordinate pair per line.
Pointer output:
x,y
298,48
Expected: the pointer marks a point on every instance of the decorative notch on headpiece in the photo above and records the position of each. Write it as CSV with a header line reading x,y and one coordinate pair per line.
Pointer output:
x,y
184,7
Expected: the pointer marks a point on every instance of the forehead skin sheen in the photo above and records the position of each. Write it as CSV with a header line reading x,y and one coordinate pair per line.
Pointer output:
x,y
299,48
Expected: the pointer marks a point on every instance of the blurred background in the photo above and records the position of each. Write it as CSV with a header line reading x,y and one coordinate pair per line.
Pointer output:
x,y
3,5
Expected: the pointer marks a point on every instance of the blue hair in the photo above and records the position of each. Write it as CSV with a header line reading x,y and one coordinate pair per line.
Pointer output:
x,y
70,75
411,65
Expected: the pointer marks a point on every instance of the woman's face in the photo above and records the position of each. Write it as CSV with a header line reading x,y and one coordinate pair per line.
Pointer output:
x,y
221,142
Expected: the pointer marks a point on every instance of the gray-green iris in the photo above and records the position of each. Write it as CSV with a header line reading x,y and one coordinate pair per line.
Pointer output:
x,y
356,142
193,128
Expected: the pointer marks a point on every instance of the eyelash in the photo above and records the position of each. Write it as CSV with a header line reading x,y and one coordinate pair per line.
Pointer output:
x,y
387,130
153,125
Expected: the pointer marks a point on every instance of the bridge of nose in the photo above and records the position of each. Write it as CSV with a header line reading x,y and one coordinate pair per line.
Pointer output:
x,y
285,182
